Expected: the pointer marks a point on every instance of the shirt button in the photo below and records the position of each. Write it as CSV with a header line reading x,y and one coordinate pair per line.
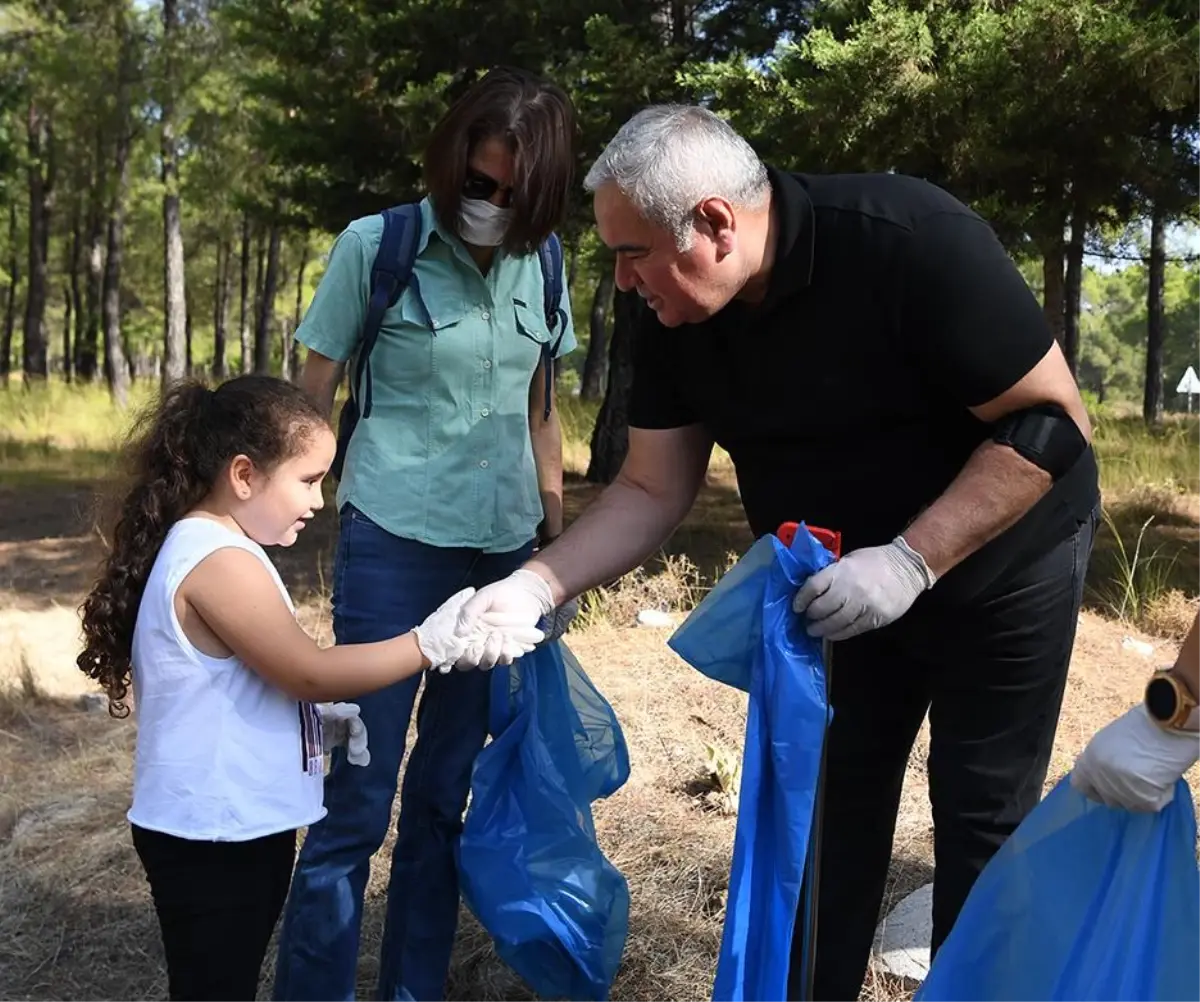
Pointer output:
x,y
485,412
487,363
483,464
486,315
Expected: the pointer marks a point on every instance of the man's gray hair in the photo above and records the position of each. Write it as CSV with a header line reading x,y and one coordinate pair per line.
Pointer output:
x,y
668,158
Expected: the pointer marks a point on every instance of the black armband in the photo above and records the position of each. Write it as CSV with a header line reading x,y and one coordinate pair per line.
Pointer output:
x,y
1045,435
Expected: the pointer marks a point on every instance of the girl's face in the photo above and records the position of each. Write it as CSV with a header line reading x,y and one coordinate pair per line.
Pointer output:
x,y
273,507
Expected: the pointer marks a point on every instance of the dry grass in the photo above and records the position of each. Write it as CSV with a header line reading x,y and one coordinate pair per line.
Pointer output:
x,y
75,915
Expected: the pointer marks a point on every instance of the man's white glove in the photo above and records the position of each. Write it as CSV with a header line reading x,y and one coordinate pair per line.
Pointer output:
x,y
1134,763
341,725
497,638
438,637
863,591
507,609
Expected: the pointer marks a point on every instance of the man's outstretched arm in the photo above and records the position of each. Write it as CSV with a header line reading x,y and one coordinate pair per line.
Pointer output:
x,y
632,518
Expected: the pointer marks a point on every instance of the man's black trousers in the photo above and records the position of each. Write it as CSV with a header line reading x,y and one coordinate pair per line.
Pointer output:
x,y
991,676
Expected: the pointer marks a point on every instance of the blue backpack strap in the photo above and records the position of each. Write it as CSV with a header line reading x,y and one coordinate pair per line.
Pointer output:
x,y
550,256
391,273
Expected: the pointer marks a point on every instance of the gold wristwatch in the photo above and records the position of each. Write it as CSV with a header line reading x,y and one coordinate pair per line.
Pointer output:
x,y
1169,702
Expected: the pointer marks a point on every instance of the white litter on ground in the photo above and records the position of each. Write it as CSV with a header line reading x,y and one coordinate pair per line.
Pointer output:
x,y
655,618
1138,646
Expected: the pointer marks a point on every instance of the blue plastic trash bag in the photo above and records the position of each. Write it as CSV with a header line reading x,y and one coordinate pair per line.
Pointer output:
x,y
745,634
1082,902
720,635
530,868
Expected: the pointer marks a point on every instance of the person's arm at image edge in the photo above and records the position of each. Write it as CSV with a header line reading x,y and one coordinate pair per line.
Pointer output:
x,y
1135,762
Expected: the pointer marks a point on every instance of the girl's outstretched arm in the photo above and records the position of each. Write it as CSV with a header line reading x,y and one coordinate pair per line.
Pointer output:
x,y
238,602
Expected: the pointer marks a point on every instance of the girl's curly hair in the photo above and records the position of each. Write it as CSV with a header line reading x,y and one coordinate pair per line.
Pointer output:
x,y
176,452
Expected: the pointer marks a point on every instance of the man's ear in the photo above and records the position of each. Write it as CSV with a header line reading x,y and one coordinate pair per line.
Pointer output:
x,y
715,218
241,472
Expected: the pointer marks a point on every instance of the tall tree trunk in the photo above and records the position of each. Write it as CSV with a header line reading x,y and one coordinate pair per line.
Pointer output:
x,y
116,359
74,293
175,360
1054,292
285,356
281,282
680,22
220,307
595,363
68,310
1053,255
1152,394
260,258
1073,291
87,348
10,303
190,367
293,347
266,302
34,357
610,438
244,322
572,263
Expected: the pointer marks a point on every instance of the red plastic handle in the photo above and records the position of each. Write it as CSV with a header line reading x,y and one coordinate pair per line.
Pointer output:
x,y
831,539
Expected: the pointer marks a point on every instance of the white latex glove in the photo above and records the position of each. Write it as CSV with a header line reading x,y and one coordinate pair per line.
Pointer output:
x,y
439,637
342,725
1134,763
510,607
497,639
863,591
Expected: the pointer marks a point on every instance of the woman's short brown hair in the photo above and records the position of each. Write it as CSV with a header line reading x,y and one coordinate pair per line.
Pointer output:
x,y
537,120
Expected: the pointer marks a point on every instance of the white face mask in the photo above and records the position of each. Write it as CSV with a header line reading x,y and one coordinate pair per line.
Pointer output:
x,y
483,224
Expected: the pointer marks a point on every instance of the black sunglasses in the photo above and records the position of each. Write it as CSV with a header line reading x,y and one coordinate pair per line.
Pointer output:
x,y
481,186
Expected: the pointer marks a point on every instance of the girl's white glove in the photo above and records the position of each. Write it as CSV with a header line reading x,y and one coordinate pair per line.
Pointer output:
x,y
438,637
496,638
446,638
342,725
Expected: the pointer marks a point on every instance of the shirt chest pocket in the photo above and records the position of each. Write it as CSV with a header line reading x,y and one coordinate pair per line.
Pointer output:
x,y
413,344
530,336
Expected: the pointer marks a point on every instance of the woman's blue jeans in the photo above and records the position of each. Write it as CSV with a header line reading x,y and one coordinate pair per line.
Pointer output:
x,y
384,586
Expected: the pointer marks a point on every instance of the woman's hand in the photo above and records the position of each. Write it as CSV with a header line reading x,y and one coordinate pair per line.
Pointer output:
x,y
1133,763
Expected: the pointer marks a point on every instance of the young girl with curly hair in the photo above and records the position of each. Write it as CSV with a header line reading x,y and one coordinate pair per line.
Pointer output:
x,y
190,612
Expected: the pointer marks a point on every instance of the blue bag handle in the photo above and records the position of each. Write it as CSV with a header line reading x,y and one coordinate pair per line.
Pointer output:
x,y
550,256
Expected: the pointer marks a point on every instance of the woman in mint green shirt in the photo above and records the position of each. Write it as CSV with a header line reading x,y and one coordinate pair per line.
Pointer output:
x,y
446,485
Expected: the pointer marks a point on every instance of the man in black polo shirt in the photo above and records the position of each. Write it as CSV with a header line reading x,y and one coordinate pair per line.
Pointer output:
x,y
873,362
